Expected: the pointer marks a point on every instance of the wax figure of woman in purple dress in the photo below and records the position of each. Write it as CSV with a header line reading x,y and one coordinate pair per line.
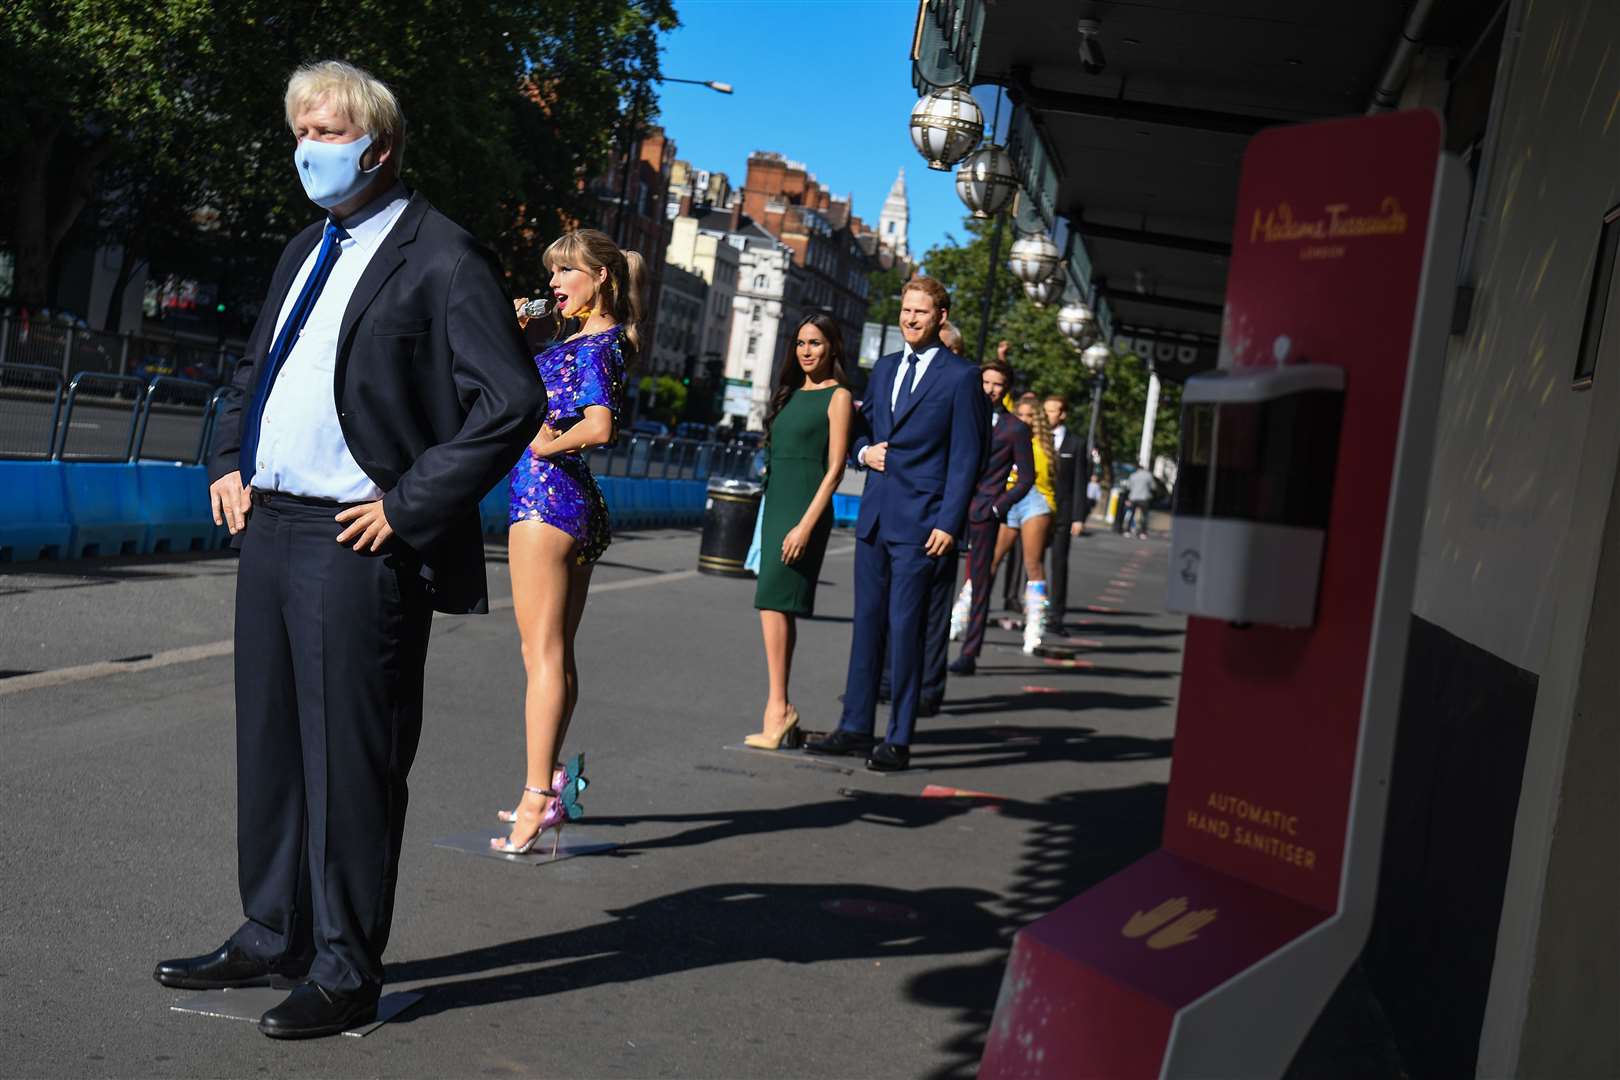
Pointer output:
x,y
559,520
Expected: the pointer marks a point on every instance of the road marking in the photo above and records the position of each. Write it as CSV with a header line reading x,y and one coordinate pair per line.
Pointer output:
x,y
39,680
102,668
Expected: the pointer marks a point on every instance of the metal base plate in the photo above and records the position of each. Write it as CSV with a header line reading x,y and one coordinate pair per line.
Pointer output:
x,y
848,765
252,1002
477,843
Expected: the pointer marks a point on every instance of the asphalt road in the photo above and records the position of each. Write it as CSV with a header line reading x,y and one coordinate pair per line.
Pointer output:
x,y
762,916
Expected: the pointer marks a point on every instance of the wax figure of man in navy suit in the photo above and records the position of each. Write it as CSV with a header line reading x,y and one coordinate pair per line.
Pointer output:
x,y
923,442
384,390
1011,444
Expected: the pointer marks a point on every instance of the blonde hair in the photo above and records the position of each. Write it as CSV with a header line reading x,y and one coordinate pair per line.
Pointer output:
x,y
1039,425
354,92
623,295
950,337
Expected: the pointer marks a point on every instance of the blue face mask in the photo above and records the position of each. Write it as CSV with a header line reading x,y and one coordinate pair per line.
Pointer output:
x,y
331,172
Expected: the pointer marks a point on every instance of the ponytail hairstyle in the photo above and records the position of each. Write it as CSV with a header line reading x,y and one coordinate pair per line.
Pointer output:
x,y
789,376
623,295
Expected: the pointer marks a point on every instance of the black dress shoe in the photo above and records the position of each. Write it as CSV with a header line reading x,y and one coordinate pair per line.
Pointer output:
x,y
963,665
840,742
312,1011
928,708
887,757
227,969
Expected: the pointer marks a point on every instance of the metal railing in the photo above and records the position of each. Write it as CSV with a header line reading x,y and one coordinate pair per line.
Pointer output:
x,y
47,343
102,416
30,407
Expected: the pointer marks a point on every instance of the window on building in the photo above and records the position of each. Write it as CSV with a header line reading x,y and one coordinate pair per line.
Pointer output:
x,y
753,344
760,281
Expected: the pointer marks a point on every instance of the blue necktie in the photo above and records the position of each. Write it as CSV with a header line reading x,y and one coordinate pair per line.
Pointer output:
x,y
907,387
331,248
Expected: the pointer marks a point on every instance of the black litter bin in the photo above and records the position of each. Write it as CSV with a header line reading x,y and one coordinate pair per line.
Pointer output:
x,y
728,526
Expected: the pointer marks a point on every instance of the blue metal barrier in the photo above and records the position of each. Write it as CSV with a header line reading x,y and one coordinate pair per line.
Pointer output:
x,y
173,503
34,521
104,505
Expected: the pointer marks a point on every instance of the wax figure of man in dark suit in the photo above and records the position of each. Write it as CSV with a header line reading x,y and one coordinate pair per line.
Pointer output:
x,y
384,390
1069,474
922,444
1011,445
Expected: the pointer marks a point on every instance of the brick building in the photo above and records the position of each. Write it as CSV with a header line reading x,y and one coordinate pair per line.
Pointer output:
x,y
785,200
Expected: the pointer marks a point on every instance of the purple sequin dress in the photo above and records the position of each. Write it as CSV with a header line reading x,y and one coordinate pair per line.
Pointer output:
x,y
560,490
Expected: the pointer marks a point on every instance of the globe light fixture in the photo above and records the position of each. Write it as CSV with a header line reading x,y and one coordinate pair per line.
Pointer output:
x,y
1096,357
986,181
946,124
1075,322
1044,293
1034,258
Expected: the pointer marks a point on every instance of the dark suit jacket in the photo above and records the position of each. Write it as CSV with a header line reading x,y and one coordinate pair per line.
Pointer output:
x,y
436,394
1069,475
1011,443
936,448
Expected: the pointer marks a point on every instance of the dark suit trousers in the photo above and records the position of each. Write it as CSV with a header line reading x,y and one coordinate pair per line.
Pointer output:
x,y
893,580
936,639
1057,592
981,555
330,646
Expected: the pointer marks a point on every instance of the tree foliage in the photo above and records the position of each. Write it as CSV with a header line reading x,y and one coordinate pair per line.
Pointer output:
x,y
165,117
1042,359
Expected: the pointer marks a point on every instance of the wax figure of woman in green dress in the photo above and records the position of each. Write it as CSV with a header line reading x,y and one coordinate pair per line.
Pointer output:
x,y
807,432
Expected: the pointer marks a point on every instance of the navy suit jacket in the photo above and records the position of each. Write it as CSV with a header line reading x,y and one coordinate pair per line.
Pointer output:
x,y
936,450
1011,443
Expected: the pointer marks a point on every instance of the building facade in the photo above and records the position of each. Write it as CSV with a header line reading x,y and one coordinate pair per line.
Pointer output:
x,y
706,253
683,302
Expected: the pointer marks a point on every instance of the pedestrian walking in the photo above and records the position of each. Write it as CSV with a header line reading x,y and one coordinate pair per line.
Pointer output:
x,y
1094,495
384,389
921,446
807,431
1069,493
559,519
1141,486
1011,453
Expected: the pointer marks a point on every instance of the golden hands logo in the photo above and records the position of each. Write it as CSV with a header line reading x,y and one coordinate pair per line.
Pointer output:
x,y
1169,924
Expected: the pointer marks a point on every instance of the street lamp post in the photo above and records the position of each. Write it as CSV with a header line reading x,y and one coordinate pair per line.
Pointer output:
x,y
630,140
1094,362
995,256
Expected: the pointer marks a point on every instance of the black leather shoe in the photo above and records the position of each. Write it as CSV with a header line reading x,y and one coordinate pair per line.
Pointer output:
x,y
887,757
227,969
963,665
313,1011
928,708
840,742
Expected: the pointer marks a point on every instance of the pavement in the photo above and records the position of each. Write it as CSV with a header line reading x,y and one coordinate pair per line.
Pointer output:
x,y
762,915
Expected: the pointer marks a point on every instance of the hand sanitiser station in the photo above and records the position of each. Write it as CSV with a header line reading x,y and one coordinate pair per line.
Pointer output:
x,y
1253,492
1299,505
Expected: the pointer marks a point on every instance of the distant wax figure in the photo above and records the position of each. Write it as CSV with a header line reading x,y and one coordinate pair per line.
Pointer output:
x,y
807,430
558,517
1011,455
922,445
383,391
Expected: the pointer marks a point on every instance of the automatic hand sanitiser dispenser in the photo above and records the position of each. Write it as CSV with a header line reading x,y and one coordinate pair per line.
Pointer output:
x,y
1254,490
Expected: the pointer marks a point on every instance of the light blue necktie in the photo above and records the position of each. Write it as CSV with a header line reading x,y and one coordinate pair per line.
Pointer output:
x,y
331,248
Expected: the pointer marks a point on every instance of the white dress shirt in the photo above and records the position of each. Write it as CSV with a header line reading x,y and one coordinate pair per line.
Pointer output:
x,y
301,447
1058,434
907,358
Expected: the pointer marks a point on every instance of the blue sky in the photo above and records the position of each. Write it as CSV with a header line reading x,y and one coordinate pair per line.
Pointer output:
x,y
825,82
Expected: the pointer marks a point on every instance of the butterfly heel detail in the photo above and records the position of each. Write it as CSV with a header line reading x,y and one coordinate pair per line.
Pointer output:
x,y
563,808
573,770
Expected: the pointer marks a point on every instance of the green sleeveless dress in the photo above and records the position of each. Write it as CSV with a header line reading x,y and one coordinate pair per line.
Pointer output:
x,y
795,466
